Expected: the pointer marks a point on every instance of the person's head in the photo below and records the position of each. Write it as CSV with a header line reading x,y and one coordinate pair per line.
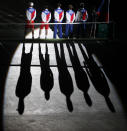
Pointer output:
x,y
70,7
46,7
59,5
31,4
81,5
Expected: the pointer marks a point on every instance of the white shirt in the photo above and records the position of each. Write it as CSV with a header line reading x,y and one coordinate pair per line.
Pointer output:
x,y
58,15
31,14
46,16
81,15
70,16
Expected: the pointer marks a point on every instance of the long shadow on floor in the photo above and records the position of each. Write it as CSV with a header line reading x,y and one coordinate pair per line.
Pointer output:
x,y
7,50
65,80
97,77
80,74
46,78
23,87
4,64
112,55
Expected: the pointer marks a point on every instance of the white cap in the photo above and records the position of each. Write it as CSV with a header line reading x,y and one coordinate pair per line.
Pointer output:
x,y
31,4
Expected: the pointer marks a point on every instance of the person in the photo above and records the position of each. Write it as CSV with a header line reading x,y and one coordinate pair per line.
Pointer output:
x,y
81,16
30,16
58,16
70,17
46,17
93,26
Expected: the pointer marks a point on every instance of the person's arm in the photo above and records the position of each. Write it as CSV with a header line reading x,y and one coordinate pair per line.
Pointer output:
x,y
62,17
34,16
28,15
100,7
77,16
86,15
67,17
73,18
43,15
49,18
56,16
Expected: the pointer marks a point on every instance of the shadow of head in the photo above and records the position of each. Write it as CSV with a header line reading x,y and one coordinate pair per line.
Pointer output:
x,y
20,108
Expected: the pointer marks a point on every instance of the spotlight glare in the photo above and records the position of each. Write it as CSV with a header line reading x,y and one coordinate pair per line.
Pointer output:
x,y
36,34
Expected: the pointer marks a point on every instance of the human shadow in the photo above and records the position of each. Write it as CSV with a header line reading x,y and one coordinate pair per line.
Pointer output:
x,y
65,80
23,87
46,78
80,75
97,77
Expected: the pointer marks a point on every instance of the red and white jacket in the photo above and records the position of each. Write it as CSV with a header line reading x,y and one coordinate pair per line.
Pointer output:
x,y
46,16
31,14
81,15
70,16
58,15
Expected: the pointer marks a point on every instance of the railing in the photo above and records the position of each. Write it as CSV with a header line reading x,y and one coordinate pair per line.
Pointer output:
x,y
93,30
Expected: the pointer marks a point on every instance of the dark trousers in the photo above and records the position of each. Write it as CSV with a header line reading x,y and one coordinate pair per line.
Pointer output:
x,y
59,26
81,30
69,30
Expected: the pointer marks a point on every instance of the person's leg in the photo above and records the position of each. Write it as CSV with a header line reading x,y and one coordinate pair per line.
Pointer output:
x,y
25,32
55,30
84,26
91,30
46,33
71,30
32,27
94,35
40,32
27,26
78,30
32,33
83,30
66,31
60,30
46,30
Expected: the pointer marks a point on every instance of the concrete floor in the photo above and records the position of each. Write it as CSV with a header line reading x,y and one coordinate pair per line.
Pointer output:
x,y
53,115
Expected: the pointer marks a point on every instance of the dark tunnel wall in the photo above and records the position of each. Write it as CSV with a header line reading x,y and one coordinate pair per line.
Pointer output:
x,y
116,14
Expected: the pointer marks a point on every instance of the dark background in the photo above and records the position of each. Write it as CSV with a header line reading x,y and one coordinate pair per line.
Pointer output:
x,y
112,56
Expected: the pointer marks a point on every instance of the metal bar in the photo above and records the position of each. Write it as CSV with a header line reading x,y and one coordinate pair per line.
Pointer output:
x,y
36,41
55,23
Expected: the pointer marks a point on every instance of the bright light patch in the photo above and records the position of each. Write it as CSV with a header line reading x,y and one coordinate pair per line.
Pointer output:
x,y
36,34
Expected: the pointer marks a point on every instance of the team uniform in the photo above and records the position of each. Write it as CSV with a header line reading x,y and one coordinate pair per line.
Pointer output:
x,y
31,15
70,17
58,15
93,25
46,17
81,16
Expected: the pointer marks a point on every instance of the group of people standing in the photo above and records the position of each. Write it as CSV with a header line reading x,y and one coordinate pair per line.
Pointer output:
x,y
80,16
